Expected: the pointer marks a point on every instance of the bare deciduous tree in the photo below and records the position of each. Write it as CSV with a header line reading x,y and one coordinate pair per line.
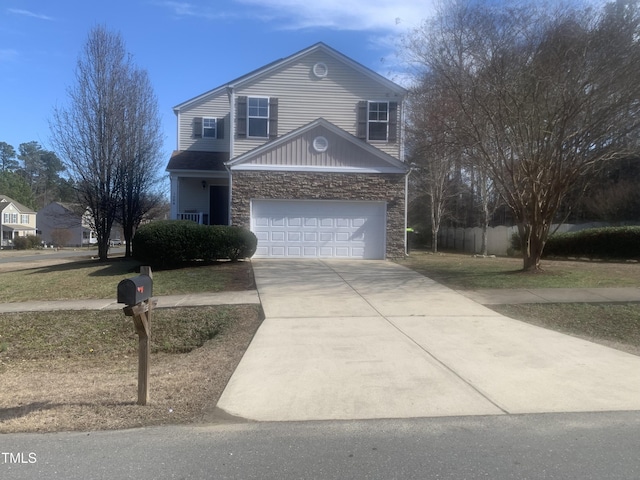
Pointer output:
x,y
95,134
433,155
141,150
546,97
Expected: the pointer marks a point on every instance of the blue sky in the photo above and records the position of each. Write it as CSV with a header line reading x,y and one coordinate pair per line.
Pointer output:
x,y
188,47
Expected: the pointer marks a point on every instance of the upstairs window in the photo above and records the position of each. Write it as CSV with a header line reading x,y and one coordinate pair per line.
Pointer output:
x,y
24,219
258,117
10,218
378,121
209,128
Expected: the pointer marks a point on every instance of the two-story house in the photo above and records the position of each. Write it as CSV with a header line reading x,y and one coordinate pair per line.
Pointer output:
x,y
306,151
16,220
66,225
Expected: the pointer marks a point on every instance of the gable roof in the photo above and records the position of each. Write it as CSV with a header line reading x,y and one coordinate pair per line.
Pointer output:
x,y
344,153
265,70
5,201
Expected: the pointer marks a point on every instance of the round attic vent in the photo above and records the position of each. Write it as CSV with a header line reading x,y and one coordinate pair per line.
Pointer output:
x,y
320,70
320,144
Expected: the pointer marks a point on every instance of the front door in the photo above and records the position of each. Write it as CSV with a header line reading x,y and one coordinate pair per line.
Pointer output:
x,y
219,205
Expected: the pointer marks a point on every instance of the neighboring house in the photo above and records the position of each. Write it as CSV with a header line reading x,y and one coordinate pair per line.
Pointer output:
x,y
307,152
62,224
16,220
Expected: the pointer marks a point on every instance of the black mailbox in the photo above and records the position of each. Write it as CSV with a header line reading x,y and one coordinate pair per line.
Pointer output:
x,y
134,290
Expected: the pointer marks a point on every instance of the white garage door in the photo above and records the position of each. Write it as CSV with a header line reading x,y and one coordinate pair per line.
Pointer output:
x,y
319,229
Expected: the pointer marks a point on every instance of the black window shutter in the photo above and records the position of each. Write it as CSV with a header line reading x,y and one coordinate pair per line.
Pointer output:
x,y
197,127
220,128
241,117
273,117
362,120
393,122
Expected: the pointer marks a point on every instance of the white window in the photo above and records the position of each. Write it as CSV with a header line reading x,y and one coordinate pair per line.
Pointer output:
x,y
378,120
10,218
24,219
258,117
209,127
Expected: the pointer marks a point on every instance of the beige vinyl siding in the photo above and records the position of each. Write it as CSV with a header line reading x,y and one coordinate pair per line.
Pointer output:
x,y
302,97
300,152
211,107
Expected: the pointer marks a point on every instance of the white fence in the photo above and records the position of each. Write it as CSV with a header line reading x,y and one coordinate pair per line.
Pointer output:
x,y
498,238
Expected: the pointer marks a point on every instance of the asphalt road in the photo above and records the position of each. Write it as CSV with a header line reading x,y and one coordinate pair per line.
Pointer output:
x,y
553,446
7,256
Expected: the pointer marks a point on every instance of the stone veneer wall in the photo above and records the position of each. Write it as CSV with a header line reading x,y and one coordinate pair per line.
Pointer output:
x,y
247,185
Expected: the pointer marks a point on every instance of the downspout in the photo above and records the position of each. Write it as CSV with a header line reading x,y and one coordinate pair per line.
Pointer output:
x,y
177,112
232,135
406,177
174,181
406,209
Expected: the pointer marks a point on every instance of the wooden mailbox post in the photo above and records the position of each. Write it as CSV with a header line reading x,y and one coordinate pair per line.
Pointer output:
x,y
136,294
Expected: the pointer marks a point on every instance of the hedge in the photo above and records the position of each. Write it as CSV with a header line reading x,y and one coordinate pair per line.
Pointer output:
x,y
27,242
170,243
606,243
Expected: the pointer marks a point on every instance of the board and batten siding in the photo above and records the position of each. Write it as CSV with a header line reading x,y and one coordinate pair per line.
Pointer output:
x,y
210,107
299,152
303,97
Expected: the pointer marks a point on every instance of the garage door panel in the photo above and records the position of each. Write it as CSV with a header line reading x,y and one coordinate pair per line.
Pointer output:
x,y
319,229
310,236
277,236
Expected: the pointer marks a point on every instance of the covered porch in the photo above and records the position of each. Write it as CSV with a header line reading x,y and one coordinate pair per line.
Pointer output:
x,y
200,187
11,232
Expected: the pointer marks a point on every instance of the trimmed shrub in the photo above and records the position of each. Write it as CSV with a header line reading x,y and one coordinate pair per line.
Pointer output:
x,y
169,243
28,242
608,242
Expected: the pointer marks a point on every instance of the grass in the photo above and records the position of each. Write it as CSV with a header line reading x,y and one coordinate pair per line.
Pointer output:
x,y
464,272
108,334
94,279
615,325
70,371
77,370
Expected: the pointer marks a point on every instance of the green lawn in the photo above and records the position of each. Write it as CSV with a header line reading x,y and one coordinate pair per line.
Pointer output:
x,y
616,325
465,272
94,279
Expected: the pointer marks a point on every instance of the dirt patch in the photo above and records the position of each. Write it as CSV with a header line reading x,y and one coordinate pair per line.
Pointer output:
x,y
63,394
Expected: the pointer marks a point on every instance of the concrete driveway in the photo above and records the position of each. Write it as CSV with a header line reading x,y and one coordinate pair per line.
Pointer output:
x,y
373,339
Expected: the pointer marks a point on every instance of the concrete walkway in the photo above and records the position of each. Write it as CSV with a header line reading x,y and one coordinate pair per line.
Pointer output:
x,y
373,339
483,297
553,295
164,301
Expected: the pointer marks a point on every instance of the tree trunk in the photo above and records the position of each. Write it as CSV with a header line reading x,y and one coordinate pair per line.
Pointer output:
x,y
434,240
532,241
485,238
128,235
103,249
435,227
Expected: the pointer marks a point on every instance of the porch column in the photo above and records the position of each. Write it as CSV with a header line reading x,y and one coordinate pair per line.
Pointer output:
x,y
175,207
